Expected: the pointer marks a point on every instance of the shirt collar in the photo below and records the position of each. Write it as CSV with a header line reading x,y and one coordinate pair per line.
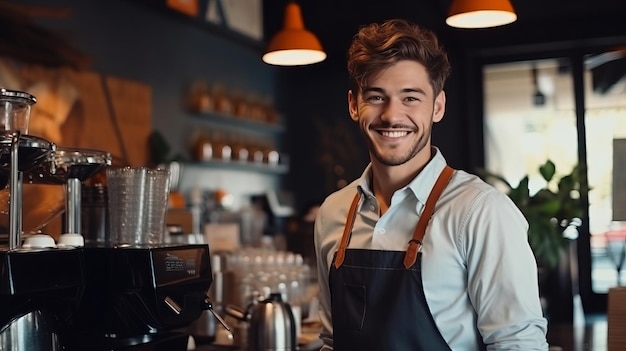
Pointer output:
x,y
420,186
425,181
365,181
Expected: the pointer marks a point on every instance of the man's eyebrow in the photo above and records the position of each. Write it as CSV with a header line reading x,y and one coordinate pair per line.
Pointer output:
x,y
373,90
414,90
405,90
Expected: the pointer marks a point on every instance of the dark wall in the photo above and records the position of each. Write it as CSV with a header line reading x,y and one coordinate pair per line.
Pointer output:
x,y
140,40
322,138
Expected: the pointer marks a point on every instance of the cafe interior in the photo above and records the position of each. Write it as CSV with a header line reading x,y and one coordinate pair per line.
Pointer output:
x,y
253,142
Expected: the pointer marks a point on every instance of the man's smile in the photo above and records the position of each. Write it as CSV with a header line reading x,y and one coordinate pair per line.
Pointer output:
x,y
393,133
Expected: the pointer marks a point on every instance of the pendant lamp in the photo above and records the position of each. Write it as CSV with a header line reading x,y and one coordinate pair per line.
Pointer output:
x,y
294,45
480,13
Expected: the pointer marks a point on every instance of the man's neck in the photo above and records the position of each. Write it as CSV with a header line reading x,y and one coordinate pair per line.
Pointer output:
x,y
386,180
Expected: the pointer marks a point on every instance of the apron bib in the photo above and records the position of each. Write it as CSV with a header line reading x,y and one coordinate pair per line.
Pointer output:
x,y
377,296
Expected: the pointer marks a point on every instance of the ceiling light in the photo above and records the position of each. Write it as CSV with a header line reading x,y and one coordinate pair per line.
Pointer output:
x,y
480,13
294,45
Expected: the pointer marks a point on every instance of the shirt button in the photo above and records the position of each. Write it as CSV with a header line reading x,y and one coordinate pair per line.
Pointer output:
x,y
381,230
372,207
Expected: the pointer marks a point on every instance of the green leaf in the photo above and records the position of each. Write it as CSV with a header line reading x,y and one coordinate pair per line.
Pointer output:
x,y
547,170
520,194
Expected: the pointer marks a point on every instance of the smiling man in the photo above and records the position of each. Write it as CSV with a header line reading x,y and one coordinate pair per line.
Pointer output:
x,y
414,255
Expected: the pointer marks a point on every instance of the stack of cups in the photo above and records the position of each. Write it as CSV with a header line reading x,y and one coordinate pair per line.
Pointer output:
x,y
138,200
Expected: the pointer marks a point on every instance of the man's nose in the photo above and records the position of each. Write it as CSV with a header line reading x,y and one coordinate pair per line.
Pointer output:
x,y
391,109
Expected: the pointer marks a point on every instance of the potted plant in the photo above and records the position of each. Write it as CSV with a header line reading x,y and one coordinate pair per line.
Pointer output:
x,y
553,212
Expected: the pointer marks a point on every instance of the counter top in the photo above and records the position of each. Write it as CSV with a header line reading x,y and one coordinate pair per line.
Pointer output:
x,y
312,346
309,341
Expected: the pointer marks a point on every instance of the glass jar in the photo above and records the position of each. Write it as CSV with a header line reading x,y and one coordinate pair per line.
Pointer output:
x,y
15,110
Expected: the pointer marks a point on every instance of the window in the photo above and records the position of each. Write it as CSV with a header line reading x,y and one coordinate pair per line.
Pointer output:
x,y
533,113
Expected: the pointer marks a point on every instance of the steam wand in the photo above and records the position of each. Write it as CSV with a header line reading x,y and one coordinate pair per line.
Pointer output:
x,y
209,306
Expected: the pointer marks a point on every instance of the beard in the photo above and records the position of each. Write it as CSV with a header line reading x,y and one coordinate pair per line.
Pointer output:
x,y
395,158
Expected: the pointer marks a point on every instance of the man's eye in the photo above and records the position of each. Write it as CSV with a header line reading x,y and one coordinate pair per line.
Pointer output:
x,y
374,98
411,99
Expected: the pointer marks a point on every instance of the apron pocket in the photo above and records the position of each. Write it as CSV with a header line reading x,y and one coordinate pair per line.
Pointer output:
x,y
351,313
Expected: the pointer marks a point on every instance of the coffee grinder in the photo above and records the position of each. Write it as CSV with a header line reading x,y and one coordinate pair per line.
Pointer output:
x,y
97,297
39,284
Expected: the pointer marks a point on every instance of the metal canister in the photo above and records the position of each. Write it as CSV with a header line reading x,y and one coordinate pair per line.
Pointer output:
x,y
95,214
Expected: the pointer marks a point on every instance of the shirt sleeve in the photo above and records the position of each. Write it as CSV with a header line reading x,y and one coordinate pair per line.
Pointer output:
x,y
322,251
502,276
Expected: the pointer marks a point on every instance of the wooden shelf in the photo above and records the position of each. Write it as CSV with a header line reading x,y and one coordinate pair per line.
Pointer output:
x,y
235,123
229,123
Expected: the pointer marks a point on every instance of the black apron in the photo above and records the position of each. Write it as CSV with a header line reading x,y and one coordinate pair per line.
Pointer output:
x,y
377,297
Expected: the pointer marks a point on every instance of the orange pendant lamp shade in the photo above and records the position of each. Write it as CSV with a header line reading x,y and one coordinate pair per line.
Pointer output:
x,y
294,45
480,13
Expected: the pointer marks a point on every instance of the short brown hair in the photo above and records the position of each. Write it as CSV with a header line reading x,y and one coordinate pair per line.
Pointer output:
x,y
379,45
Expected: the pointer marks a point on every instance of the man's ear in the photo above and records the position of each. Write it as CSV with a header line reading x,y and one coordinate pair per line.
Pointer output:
x,y
439,108
353,106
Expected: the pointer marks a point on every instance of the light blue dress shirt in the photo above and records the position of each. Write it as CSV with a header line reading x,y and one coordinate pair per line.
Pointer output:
x,y
479,273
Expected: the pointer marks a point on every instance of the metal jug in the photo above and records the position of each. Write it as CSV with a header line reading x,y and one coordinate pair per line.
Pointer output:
x,y
31,332
272,326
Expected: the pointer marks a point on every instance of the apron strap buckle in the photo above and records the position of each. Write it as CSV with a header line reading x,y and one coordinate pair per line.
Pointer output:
x,y
339,257
415,246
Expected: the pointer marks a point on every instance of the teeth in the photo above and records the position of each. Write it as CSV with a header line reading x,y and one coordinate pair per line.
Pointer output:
x,y
393,134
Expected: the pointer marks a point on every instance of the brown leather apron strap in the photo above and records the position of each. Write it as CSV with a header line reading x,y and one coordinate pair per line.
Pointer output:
x,y
347,232
415,243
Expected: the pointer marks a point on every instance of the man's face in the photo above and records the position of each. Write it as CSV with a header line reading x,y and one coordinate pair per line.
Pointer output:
x,y
395,112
